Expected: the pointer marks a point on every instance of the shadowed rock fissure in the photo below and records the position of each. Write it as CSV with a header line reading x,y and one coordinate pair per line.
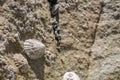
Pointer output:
x,y
95,30
98,20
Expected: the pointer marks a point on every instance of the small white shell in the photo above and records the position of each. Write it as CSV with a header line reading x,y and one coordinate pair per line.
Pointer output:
x,y
71,76
34,48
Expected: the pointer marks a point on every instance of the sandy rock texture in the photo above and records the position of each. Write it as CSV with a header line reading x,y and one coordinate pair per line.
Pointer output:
x,y
90,44
105,51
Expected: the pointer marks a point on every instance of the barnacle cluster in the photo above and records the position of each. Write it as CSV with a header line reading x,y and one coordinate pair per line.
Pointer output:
x,y
71,5
9,70
8,39
21,20
19,25
5,35
49,58
24,16
21,63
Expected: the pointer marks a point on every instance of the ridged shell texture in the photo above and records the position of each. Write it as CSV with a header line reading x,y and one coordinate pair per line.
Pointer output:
x,y
34,48
71,76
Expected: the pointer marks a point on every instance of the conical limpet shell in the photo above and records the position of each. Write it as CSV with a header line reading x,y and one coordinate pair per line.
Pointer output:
x,y
34,48
71,76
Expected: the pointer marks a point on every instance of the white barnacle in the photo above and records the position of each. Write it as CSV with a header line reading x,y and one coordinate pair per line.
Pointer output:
x,y
71,76
34,48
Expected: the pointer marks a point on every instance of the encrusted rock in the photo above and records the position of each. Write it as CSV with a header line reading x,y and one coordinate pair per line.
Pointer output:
x,y
49,58
21,63
34,48
10,72
71,76
3,61
3,46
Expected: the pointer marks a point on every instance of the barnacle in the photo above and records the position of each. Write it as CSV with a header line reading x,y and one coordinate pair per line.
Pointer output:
x,y
49,58
71,76
10,72
21,63
34,48
3,61
3,46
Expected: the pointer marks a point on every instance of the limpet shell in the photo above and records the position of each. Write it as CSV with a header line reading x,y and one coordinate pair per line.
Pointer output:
x,y
34,48
71,76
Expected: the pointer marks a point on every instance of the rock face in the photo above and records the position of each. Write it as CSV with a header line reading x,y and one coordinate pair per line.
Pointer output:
x,y
34,48
105,51
90,39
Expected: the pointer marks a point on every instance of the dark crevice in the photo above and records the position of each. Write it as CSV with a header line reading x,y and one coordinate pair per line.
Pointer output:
x,y
102,4
98,20
95,31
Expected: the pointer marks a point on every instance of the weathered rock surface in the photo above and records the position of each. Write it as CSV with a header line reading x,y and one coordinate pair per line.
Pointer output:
x,y
105,51
90,44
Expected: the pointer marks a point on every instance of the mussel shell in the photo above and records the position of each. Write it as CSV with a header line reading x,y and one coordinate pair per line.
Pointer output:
x,y
55,9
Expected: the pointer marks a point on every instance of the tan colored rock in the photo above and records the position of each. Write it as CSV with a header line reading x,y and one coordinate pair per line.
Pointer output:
x,y
31,19
105,52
